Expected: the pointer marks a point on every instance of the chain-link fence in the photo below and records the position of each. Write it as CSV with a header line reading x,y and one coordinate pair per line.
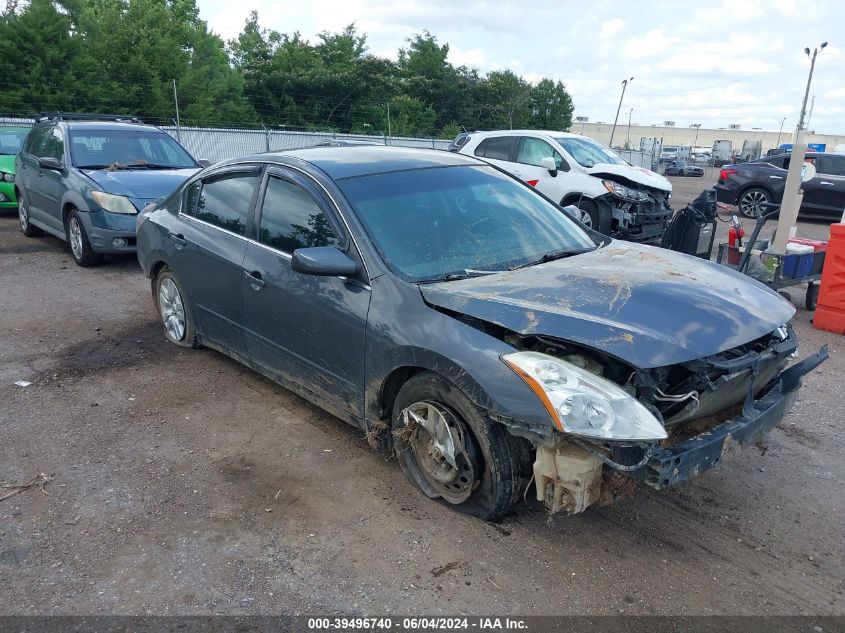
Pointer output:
x,y
216,144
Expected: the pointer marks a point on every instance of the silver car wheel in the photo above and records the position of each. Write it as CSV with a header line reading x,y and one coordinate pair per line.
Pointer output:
x,y
23,214
172,309
75,234
586,218
751,204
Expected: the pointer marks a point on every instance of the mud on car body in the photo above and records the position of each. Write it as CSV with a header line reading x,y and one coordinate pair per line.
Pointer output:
x,y
460,320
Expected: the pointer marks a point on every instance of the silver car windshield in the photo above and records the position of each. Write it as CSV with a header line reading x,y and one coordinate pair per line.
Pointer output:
x,y
445,222
588,153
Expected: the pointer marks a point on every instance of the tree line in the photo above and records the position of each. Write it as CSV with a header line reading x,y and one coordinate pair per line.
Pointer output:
x,y
127,56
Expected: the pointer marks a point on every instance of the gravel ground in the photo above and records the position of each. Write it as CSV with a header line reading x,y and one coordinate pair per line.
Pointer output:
x,y
188,484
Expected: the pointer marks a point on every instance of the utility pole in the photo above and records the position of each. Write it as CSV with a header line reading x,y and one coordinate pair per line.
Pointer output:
x,y
792,193
697,127
613,131
178,124
628,138
388,118
782,121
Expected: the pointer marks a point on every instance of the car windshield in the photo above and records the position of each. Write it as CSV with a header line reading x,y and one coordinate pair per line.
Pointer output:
x,y
11,140
127,149
439,223
588,153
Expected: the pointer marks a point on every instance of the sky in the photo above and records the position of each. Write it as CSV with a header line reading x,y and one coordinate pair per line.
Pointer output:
x,y
714,63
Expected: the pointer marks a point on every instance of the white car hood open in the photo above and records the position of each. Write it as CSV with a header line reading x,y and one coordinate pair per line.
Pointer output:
x,y
636,174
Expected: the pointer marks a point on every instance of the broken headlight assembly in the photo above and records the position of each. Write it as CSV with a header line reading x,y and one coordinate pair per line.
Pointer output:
x,y
582,403
114,204
626,193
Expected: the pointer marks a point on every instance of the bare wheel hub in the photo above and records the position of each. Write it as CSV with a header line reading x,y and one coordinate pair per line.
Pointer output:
x,y
444,453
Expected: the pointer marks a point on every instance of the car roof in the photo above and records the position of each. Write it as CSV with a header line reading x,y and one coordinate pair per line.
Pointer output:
x,y
352,161
552,133
101,125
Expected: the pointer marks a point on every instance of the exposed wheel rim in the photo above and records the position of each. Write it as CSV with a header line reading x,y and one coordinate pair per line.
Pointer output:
x,y
172,309
435,432
23,214
586,218
75,235
751,204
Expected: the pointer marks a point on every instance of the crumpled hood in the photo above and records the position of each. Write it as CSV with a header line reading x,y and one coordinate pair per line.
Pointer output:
x,y
636,174
645,305
140,185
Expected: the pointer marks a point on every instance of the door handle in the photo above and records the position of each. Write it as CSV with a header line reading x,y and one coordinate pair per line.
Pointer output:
x,y
826,183
776,177
179,239
255,280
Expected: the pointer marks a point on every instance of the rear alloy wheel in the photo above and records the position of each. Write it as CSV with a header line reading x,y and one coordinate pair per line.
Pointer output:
x,y
80,247
451,451
23,217
751,203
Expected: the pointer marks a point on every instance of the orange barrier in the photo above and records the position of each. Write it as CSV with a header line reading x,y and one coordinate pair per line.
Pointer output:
x,y
830,310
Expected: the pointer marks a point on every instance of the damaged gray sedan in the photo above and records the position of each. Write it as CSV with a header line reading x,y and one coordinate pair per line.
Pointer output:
x,y
465,322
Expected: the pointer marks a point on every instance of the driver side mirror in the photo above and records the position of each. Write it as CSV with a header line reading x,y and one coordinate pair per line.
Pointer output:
x,y
323,261
549,163
50,163
573,212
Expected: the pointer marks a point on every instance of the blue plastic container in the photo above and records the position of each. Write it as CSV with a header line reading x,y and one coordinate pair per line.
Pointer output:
x,y
790,266
805,265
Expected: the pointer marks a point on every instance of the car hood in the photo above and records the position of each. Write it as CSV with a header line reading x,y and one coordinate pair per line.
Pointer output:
x,y
635,174
7,163
140,185
647,306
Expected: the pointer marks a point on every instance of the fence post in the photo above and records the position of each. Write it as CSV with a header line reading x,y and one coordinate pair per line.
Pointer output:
x,y
266,137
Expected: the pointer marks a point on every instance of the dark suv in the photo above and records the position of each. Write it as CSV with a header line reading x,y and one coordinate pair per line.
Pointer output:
x,y
756,183
84,180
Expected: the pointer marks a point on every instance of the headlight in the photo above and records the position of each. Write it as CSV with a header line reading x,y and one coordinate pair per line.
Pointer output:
x,y
114,204
582,403
626,193
6,176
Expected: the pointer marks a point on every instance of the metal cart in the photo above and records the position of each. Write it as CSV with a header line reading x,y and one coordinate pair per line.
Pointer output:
x,y
768,268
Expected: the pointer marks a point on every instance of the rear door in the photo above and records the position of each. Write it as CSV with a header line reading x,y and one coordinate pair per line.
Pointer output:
x,y
832,183
305,329
499,151
208,249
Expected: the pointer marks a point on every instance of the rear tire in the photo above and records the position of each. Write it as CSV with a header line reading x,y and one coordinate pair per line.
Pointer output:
x,y
23,218
492,465
602,220
812,296
80,247
751,201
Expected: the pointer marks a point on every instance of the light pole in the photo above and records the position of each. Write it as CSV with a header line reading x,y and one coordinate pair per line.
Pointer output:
x,y
792,194
697,126
622,96
782,121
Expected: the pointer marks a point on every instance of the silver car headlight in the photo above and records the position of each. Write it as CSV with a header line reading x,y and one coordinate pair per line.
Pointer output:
x,y
582,403
113,203
621,191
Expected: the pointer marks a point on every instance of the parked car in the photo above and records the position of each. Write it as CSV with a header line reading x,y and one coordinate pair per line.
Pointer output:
x,y
457,316
683,168
753,184
615,197
83,179
11,140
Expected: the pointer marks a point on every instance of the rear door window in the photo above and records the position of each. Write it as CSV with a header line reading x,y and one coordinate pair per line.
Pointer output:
x,y
832,165
223,201
498,147
292,218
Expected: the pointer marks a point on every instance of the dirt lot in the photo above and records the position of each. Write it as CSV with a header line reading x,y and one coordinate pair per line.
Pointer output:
x,y
186,483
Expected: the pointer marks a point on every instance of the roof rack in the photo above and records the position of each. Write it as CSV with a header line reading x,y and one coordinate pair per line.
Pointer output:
x,y
76,116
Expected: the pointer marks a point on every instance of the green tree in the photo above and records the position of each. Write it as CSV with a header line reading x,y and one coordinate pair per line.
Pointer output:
x,y
551,106
506,100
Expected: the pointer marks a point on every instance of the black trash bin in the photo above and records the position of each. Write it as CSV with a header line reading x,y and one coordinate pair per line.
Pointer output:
x,y
693,228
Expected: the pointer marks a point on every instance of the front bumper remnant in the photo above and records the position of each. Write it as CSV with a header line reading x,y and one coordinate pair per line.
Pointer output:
x,y
673,464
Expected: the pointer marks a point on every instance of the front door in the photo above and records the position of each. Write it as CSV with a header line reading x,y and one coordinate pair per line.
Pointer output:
x,y
832,183
303,328
208,247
